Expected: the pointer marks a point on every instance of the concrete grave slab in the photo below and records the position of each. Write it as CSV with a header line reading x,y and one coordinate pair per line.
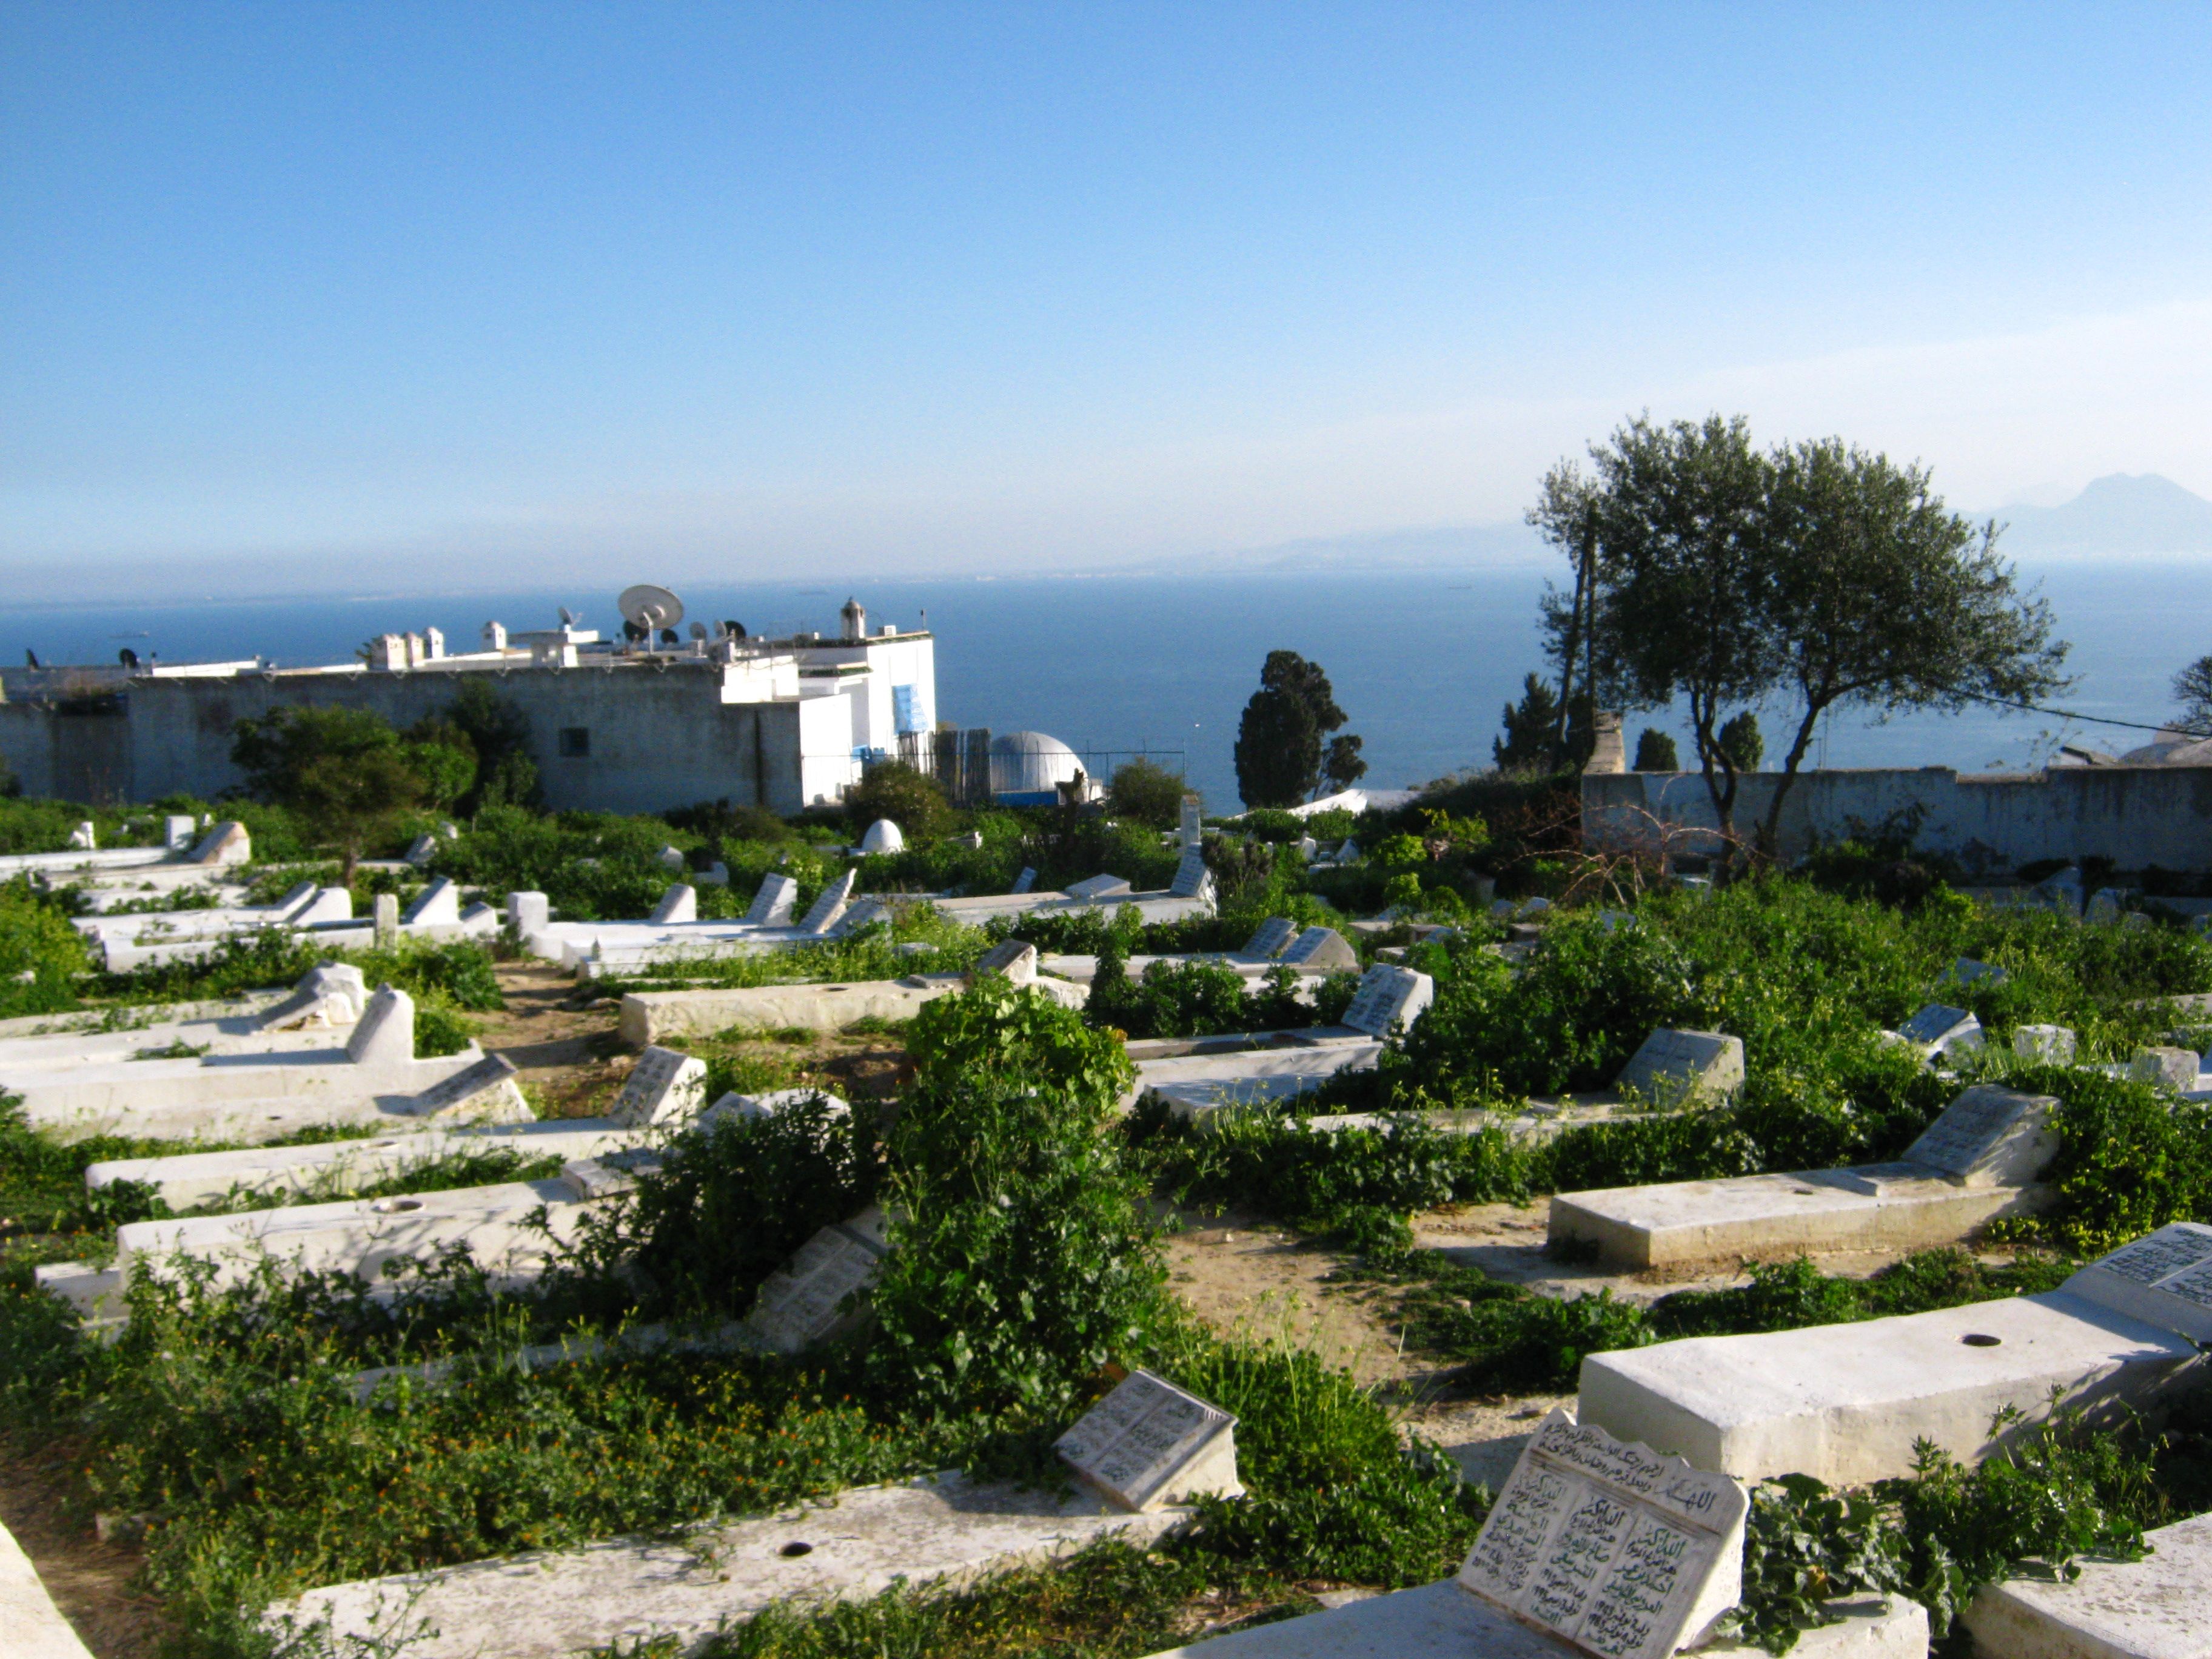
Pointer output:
x,y
1011,960
1989,1136
438,905
1149,1445
2154,1608
650,1017
1389,998
553,1604
528,913
1967,971
422,850
1271,938
737,1108
822,915
1024,882
1845,1403
1097,887
32,1626
485,1092
1194,1087
665,1086
1192,878
670,857
2169,1070
1674,1068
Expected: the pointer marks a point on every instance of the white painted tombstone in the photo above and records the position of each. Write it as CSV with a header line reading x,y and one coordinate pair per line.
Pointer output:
x,y
664,1086
1674,1068
1349,853
226,844
528,913
1320,951
383,1037
1938,1031
1191,829
716,874
324,904
178,830
824,913
1605,1543
384,924
1388,997
883,836
1097,887
1149,1445
2170,1071
84,838
422,850
1010,959
1024,882
806,1300
679,903
2106,905
670,858
773,904
1967,971
2164,1279
1308,848
331,993
734,1107
2052,1045
1192,878
1270,939
1990,1137
485,1092
438,905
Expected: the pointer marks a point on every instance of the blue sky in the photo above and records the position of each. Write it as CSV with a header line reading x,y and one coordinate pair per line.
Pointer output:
x,y
494,291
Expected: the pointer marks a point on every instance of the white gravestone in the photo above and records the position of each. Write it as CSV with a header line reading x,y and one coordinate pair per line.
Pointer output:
x,y
1966,971
1192,829
226,843
1271,939
1024,882
1097,887
1675,1067
823,914
423,849
84,838
486,1092
1620,1551
2171,1071
528,913
1012,960
386,923
1388,997
734,1107
678,904
439,905
671,857
1990,1137
2053,1045
1192,878
808,1299
773,905
178,830
663,1087
1149,1443
2164,1279
331,994
1938,1031
1322,950
383,1037
883,836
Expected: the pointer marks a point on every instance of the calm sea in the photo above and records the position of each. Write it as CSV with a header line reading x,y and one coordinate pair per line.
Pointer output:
x,y
1421,661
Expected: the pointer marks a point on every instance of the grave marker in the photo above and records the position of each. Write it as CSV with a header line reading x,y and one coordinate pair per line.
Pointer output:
x,y
85,838
422,850
2164,1279
1675,1067
663,1087
737,1108
771,906
2052,1044
804,1302
1097,887
2105,905
332,993
439,905
486,1092
226,844
178,830
670,858
2170,1071
1191,830
528,913
1023,882
1011,960
1272,939
883,836
1149,1445
1389,996
385,1035
680,903
1990,1137
1966,971
1322,950
823,914
1940,1030
1192,878
1620,1551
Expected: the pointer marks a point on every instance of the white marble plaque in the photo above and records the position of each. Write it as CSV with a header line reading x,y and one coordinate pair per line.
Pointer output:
x,y
2164,1279
1025,881
663,1087
806,1301
773,904
1989,1136
1012,959
1142,1445
1620,1551
1273,937
1388,996
1323,950
1940,1029
822,915
1676,1066
1190,876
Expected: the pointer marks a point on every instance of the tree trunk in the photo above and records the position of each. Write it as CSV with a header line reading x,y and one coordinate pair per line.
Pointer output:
x,y
1770,833
1585,599
1722,788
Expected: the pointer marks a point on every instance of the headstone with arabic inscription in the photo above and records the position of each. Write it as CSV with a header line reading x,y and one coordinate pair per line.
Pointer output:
x,y
1674,1067
812,1297
1270,939
1388,997
1990,1137
1617,1550
2164,1279
663,1087
1149,1443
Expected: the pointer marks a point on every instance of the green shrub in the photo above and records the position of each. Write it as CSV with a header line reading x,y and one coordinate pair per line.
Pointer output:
x,y
41,956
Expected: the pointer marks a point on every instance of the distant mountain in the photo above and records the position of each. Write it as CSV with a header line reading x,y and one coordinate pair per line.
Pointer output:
x,y
2121,514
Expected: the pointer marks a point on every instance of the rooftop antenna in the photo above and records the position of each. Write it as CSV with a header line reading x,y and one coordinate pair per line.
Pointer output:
x,y
650,607
569,618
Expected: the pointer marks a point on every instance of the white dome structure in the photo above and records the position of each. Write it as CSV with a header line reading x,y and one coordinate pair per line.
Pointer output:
x,y
883,836
1030,764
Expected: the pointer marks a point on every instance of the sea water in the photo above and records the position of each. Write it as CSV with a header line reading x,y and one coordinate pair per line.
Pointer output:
x,y
1422,662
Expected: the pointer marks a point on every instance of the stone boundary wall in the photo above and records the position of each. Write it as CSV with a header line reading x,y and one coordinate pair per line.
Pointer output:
x,y
2136,816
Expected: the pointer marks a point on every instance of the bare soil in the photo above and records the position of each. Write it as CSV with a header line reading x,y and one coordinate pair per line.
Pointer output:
x,y
93,1584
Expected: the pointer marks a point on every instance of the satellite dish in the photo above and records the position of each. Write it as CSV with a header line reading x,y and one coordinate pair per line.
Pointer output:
x,y
698,630
650,606
668,636
127,657
734,629
569,618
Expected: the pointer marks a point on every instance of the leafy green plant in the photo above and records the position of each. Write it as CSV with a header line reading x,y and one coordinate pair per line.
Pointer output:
x,y
1805,1545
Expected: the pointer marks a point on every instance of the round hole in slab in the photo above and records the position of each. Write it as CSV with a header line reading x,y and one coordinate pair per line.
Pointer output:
x,y
396,1206
795,1549
1804,1191
1979,1340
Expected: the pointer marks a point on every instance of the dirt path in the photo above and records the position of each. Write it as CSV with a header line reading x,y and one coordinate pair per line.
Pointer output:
x,y
89,1581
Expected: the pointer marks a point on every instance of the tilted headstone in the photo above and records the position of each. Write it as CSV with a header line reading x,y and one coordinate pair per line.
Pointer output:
x,y
1192,878
1148,1443
740,1108
883,836
1348,853
2053,1045
868,913
1097,887
528,913
325,904
1990,1137
664,1086
1388,997
1967,971
671,857
2164,1279
226,843
2170,1071
178,830
1675,1067
332,993
771,906
384,1036
1271,938
1011,960
679,903
806,1301
1322,950
84,838
823,914
2106,905
422,850
1939,1030
438,905
716,874
1024,882
1621,1552
294,898
485,1092
479,920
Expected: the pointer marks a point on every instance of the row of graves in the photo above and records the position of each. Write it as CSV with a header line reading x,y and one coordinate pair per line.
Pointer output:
x,y
1620,1531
